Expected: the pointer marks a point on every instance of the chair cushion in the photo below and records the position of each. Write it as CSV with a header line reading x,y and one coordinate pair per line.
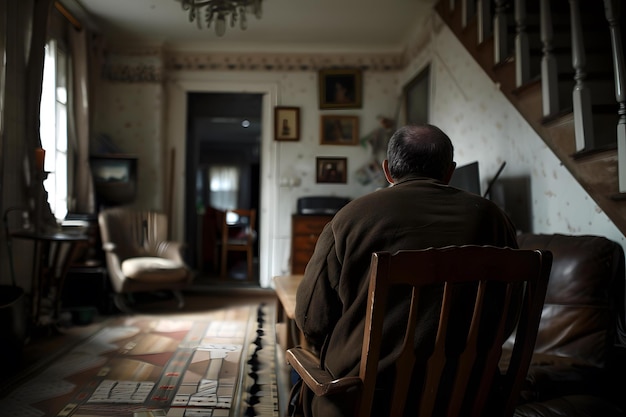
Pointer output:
x,y
153,269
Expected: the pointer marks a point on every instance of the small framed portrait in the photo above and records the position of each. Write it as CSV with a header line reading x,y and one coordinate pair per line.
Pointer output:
x,y
331,170
339,130
340,88
287,123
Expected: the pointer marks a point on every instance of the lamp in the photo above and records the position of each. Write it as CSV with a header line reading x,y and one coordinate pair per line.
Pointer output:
x,y
219,10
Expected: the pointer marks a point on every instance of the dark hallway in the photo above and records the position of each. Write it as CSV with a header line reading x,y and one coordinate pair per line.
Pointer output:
x,y
223,163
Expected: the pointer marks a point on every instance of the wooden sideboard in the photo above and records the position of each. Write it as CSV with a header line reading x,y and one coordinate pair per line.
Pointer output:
x,y
305,229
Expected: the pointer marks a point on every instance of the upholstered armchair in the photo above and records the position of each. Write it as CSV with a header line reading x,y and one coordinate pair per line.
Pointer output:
x,y
139,257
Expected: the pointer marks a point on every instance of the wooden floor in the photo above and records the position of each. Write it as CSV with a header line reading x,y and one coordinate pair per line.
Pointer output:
x,y
44,345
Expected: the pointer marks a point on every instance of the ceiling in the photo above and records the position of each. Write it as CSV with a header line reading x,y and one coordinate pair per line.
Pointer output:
x,y
286,25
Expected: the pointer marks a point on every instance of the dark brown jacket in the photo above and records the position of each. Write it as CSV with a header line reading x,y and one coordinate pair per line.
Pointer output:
x,y
413,214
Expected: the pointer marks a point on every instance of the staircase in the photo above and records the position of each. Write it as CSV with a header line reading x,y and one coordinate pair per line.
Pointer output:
x,y
561,64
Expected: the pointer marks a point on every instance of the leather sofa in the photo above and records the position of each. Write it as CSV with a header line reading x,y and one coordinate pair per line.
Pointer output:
x,y
580,354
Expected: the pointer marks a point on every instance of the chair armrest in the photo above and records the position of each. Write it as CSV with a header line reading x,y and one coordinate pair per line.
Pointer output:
x,y
114,252
307,365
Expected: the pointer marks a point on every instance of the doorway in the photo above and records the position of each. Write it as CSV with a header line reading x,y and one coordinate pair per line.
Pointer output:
x,y
222,161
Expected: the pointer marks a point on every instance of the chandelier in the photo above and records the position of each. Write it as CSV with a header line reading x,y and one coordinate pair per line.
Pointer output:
x,y
217,11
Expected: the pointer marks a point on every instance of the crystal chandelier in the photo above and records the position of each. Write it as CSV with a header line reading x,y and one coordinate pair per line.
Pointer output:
x,y
217,11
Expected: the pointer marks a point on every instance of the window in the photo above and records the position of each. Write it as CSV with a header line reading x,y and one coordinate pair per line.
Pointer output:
x,y
224,186
53,127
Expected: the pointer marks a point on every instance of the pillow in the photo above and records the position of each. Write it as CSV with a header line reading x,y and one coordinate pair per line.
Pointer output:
x,y
153,269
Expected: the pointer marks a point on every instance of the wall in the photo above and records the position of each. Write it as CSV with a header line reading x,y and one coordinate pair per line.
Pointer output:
x,y
129,113
297,160
464,102
132,114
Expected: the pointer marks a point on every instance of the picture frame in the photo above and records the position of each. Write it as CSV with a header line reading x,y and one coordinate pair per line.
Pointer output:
x,y
287,124
417,98
331,170
340,88
339,130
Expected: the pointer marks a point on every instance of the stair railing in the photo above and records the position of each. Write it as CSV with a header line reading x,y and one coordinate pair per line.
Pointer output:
x,y
522,47
549,70
500,24
581,96
484,20
612,16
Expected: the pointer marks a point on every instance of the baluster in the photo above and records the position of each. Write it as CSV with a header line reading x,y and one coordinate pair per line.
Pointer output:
x,y
451,5
468,11
522,48
611,10
549,72
583,120
484,20
500,48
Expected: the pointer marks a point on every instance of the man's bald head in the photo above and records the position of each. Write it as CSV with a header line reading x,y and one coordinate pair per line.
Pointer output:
x,y
420,151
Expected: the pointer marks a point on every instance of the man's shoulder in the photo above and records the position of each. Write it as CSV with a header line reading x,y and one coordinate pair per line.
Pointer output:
x,y
366,200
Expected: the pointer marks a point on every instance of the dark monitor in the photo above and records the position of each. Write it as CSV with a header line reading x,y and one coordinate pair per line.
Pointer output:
x,y
467,178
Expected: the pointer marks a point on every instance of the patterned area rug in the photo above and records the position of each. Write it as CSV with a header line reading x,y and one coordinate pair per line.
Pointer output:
x,y
213,364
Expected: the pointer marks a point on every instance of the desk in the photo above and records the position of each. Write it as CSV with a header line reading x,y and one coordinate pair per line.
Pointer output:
x,y
286,287
54,252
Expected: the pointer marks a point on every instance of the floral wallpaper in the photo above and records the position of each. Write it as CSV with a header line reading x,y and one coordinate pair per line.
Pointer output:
x,y
129,115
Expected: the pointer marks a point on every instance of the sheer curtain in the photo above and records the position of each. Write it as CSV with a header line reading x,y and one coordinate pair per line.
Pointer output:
x,y
64,119
53,127
224,186
82,190
41,10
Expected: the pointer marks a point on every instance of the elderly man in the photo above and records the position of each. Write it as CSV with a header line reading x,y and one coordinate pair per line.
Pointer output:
x,y
419,210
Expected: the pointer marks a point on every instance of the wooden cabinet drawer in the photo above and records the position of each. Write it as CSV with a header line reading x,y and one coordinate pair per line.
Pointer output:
x,y
309,224
302,257
305,231
305,243
298,267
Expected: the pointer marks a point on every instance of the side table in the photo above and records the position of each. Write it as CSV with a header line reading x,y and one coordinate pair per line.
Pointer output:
x,y
286,287
54,252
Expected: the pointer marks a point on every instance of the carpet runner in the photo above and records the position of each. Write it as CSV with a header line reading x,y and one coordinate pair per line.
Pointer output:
x,y
214,364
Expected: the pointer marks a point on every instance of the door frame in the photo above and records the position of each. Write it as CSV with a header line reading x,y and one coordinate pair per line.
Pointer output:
x,y
176,119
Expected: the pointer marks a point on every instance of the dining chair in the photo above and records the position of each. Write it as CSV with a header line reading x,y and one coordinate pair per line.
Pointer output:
x,y
451,382
238,235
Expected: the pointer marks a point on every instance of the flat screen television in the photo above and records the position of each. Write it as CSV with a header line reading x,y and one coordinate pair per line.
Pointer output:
x,y
467,178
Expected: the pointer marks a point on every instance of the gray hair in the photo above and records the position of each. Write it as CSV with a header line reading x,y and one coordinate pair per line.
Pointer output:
x,y
420,150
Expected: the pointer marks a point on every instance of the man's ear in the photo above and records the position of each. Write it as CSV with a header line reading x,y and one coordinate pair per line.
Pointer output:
x,y
448,176
386,171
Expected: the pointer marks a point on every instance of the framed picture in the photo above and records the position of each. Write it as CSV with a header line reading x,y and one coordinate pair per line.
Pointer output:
x,y
287,123
339,130
340,88
331,170
416,98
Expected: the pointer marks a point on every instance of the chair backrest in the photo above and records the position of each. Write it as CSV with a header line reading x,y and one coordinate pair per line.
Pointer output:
x,y
134,232
238,227
462,372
